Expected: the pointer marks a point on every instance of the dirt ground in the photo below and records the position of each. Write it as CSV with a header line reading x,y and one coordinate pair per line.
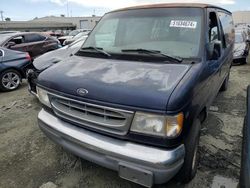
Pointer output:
x,y
28,159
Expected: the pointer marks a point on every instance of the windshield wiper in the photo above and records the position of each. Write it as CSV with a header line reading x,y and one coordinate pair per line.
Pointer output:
x,y
97,49
153,52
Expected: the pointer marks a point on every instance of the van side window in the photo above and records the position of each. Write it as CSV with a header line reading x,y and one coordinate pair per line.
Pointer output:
x,y
228,27
213,27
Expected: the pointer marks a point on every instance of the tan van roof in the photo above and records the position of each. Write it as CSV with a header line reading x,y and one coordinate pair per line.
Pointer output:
x,y
172,5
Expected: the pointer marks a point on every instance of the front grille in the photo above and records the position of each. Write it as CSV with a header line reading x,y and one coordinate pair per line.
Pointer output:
x,y
90,115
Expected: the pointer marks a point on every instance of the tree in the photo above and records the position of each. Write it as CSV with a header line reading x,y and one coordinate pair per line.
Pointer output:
x,y
7,19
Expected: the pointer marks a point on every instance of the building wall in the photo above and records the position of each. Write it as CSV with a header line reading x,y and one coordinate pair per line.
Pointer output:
x,y
79,22
241,17
34,26
51,23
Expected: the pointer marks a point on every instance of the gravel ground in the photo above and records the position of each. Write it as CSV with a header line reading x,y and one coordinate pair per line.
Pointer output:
x,y
29,159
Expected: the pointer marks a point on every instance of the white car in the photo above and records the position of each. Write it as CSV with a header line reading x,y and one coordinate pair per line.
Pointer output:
x,y
72,34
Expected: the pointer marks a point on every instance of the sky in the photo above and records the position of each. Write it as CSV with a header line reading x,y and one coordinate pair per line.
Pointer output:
x,y
21,10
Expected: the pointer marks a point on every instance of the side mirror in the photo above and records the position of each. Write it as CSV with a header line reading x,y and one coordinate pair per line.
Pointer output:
x,y
214,50
10,44
248,41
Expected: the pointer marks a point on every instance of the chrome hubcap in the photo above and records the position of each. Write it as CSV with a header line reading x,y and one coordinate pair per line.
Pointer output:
x,y
10,80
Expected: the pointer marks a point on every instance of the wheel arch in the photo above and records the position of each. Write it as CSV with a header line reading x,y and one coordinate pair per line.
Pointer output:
x,y
16,69
202,115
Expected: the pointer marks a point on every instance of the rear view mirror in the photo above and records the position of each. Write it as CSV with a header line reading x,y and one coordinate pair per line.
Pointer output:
x,y
10,44
214,50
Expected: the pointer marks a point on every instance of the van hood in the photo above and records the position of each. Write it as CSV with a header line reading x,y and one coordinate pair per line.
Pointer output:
x,y
118,82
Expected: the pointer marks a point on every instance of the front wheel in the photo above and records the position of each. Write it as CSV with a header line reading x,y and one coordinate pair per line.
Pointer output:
x,y
244,61
189,168
10,80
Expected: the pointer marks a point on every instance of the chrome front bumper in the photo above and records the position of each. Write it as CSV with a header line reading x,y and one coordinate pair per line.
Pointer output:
x,y
160,164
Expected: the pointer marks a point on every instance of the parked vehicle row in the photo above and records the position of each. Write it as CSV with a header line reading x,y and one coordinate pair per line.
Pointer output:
x,y
47,60
56,33
243,28
241,48
75,38
34,43
242,44
72,34
135,101
6,32
13,67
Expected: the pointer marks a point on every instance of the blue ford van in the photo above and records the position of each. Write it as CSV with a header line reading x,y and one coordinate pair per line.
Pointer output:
x,y
134,96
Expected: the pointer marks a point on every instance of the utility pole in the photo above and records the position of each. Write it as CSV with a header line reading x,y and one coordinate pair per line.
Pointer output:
x,y
1,12
67,8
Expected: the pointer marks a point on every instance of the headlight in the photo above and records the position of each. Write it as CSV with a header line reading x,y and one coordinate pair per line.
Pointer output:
x,y
43,96
158,125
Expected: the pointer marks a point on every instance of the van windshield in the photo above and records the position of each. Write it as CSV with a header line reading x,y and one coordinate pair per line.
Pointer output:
x,y
172,31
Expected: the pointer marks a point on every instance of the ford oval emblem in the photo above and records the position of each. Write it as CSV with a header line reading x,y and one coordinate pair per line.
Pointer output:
x,y
82,91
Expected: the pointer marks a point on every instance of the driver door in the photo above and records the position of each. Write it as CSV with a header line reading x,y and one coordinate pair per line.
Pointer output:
x,y
214,66
226,31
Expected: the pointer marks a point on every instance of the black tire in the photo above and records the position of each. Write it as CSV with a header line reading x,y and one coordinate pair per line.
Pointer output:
x,y
245,152
189,168
244,61
224,86
3,75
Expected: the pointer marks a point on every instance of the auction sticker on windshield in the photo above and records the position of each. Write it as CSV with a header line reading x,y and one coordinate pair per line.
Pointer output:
x,y
183,24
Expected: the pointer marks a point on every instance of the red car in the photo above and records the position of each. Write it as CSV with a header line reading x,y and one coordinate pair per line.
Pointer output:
x,y
34,43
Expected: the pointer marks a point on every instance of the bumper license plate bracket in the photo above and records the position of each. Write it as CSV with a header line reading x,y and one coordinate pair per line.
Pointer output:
x,y
135,174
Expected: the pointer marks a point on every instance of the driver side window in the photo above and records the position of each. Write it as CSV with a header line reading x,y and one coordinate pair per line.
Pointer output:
x,y
213,28
214,34
18,40
214,37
